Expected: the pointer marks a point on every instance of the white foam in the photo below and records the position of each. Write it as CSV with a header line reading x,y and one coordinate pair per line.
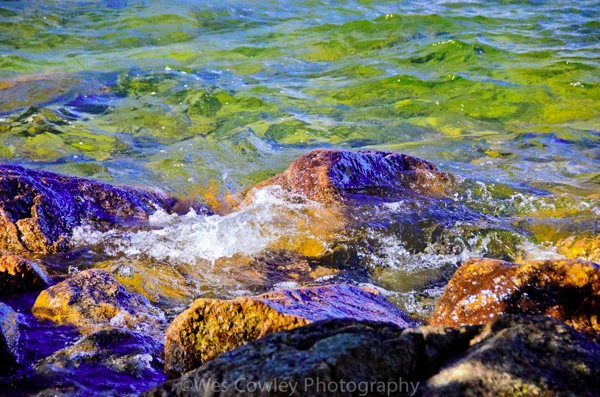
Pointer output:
x,y
274,214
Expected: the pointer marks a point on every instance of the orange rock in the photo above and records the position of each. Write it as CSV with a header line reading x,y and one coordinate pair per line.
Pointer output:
x,y
93,299
20,274
331,176
211,327
483,289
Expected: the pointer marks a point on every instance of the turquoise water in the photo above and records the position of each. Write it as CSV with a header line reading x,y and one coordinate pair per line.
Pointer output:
x,y
205,100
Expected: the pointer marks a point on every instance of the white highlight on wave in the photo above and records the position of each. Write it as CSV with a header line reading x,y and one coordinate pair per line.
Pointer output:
x,y
272,215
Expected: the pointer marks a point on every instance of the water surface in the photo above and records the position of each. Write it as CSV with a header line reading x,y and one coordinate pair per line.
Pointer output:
x,y
206,99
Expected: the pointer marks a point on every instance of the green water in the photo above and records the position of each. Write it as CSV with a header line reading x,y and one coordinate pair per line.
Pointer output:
x,y
205,100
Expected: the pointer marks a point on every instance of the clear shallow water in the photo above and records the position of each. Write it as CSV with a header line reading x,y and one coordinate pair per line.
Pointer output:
x,y
205,100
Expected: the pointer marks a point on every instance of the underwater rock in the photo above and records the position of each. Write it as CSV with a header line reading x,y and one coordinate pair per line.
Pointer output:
x,y
482,289
20,274
211,327
93,299
332,176
10,349
38,210
582,247
512,355
515,356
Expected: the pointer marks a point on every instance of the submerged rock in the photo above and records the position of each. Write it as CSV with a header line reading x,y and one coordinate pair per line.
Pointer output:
x,y
513,355
93,299
10,336
38,210
332,176
482,289
20,274
211,327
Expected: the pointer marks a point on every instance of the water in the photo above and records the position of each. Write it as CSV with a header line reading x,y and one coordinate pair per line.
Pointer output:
x,y
206,99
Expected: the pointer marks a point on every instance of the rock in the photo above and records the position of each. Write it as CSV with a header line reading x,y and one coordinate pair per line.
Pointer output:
x,y
38,210
582,247
109,362
483,289
20,274
10,349
117,350
331,351
211,327
513,356
169,285
332,176
93,299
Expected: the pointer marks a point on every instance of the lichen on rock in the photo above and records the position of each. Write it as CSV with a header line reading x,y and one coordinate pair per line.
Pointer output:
x,y
211,327
516,356
483,289
512,355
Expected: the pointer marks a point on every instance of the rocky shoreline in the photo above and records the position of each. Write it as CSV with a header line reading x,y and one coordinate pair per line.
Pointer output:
x,y
499,328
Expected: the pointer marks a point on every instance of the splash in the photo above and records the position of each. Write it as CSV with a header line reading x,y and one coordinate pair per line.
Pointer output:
x,y
274,219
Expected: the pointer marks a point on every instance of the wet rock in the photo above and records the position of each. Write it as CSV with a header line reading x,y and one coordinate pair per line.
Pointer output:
x,y
211,327
329,352
109,362
169,285
116,350
10,349
93,299
514,356
272,267
38,210
582,247
332,176
20,274
483,289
